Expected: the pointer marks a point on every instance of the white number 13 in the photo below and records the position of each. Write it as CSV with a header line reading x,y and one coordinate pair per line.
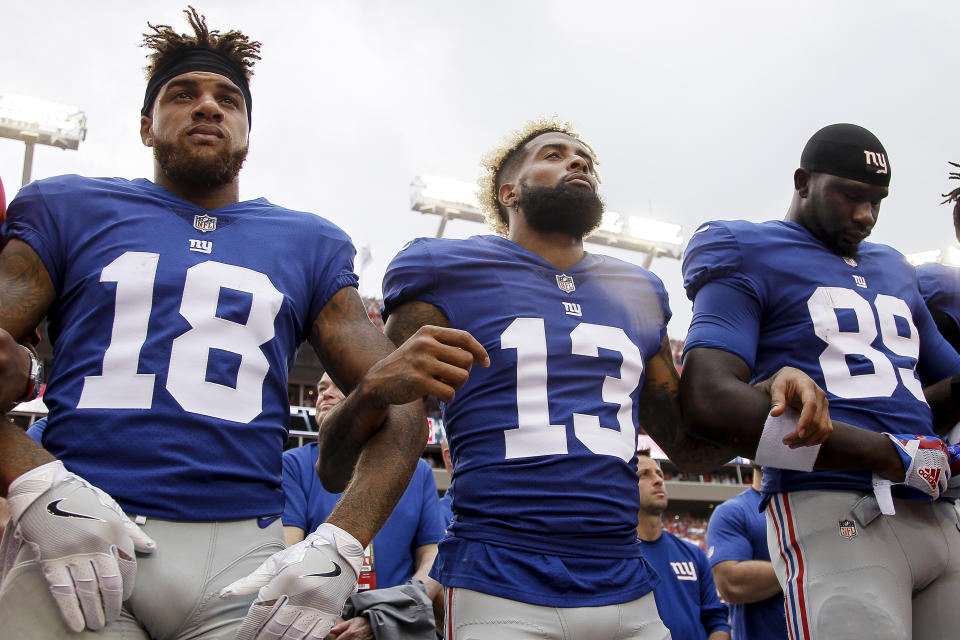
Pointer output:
x,y
534,435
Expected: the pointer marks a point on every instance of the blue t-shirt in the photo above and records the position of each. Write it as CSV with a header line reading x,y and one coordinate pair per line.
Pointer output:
x,y
940,287
446,511
686,595
36,430
173,331
414,522
774,295
738,532
543,441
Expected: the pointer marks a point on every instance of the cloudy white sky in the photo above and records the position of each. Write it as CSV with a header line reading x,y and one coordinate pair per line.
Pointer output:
x,y
698,110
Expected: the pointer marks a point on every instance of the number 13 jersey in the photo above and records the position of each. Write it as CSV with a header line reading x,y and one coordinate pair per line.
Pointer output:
x,y
544,440
856,325
173,331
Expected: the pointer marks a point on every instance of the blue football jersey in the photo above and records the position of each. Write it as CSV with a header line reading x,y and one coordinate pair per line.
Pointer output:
x,y
940,287
543,441
738,531
686,595
173,331
858,326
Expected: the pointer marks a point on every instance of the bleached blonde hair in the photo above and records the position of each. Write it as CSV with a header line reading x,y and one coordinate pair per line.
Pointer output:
x,y
501,158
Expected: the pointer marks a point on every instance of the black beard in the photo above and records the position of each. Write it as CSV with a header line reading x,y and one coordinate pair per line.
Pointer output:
x,y
567,209
196,171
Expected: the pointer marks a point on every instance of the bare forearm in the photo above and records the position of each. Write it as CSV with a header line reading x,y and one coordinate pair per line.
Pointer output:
x,y
719,635
384,467
343,434
746,582
19,454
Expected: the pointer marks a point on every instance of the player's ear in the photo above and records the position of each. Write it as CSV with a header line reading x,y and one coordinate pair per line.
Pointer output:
x,y
508,195
801,182
146,131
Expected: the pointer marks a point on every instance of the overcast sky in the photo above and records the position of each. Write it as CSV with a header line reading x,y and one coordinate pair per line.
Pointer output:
x,y
698,110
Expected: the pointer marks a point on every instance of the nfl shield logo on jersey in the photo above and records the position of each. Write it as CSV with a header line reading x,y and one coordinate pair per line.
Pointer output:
x,y
565,283
204,223
848,529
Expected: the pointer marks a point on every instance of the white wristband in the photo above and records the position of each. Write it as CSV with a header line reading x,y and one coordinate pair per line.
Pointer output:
x,y
28,486
771,452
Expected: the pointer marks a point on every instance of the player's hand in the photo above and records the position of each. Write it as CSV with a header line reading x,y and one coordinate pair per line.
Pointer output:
x,y
926,464
792,387
14,370
353,629
83,541
300,590
435,361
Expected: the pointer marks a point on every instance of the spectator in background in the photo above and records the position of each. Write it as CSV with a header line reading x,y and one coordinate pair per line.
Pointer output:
x,y
403,550
445,509
36,430
686,596
737,551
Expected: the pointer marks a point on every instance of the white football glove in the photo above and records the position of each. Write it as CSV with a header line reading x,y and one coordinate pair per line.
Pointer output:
x,y
301,590
926,463
83,541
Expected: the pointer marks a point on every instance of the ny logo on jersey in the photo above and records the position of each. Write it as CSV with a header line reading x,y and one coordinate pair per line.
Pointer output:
x,y
572,309
684,570
860,281
201,246
876,161
565,283
204,223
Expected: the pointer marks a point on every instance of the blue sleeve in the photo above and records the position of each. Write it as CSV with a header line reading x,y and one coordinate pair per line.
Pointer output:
x,y
31,220
938,360
714,615
333,266
411,275
714,253
940,288
726,317
430,527
727,535
36,430
294,491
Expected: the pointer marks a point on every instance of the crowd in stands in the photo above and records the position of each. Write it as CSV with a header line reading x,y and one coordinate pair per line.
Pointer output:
x,y
686,526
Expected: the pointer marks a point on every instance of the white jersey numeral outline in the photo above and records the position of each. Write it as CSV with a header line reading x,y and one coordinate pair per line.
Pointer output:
x,y
534,435
838,380
121,387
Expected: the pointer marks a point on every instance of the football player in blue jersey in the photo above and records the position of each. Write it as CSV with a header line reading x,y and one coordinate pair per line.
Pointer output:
x,y
686,594
940,283
175,310
809,292
543,538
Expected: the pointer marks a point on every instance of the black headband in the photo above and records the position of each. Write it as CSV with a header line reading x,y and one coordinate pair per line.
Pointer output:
x,y
197,59
848,151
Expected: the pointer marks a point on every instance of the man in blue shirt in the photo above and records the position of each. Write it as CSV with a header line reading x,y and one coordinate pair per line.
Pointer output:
x,y
737,551
403,549
686,596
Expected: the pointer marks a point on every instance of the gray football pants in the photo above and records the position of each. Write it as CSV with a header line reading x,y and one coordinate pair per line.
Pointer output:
x,y
472,615
175,594
849,572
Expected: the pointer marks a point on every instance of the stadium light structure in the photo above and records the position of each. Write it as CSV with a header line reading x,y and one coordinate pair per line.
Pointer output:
x,y
949,256
34,121
457,200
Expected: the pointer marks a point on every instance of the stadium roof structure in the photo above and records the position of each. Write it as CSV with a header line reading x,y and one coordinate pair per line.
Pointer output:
x,y
457,200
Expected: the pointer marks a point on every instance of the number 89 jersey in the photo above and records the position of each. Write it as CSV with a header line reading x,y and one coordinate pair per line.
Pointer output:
x,y
544,440
173,331
857,326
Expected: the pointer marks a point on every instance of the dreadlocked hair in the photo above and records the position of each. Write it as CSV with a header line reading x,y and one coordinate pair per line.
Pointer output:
x,y
954,197
501,159
167,43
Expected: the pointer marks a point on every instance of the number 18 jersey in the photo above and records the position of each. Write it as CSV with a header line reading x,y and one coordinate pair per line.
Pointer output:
x,y
173,331
544,440
856,325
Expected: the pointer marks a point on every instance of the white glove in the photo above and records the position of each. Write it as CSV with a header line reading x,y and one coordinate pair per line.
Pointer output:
x,y
927,470
83,541
302,588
